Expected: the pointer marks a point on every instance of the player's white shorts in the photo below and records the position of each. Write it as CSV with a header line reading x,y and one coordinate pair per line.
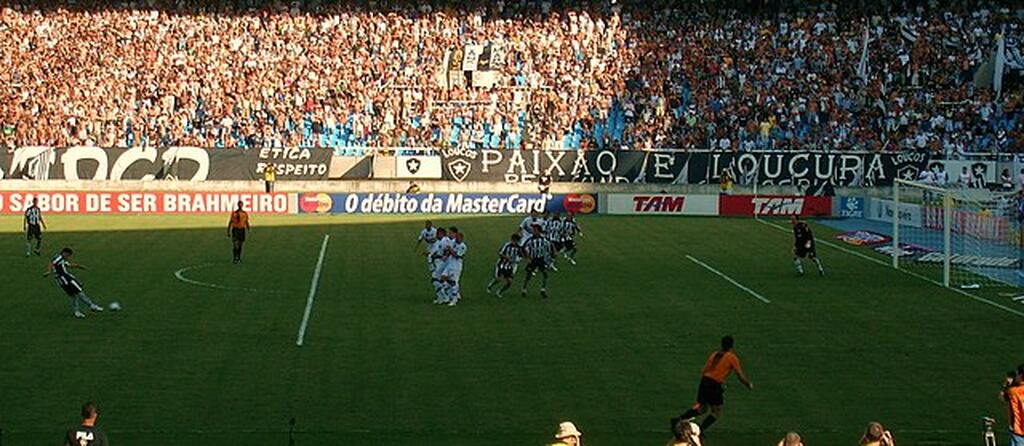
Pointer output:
x,y
437,268
453,272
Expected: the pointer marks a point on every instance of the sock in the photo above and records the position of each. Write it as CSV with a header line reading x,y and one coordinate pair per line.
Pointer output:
x,y
86,299
439,290
799,266
28,248
708,421
39,244
526,282
239,251
74,304
544,280
817,261
453,292
690,414
445,292
492,284
505,287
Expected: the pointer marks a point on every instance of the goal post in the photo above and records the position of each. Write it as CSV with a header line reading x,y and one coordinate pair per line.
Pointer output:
x,y
957,236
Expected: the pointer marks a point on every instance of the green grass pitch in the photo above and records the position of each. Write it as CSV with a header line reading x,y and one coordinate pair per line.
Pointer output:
x,y
617,348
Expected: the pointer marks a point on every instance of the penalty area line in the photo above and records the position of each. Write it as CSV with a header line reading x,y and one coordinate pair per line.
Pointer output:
x,y
973,297
729,279
312,292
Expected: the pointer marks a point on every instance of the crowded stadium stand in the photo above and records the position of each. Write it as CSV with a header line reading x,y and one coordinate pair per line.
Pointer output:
x,y
514,74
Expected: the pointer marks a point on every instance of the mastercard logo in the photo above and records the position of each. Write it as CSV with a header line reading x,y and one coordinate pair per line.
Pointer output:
x,y
318,203
579,203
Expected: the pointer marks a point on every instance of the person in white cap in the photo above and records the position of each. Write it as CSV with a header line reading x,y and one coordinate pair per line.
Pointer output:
x,y
567,435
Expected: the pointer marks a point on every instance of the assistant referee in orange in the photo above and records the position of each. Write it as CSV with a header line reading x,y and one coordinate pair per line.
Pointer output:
x,y
238,226
711,393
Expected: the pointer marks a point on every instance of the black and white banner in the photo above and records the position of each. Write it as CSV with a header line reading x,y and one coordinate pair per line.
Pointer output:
x,y
163,163
981,172
811,171
420,167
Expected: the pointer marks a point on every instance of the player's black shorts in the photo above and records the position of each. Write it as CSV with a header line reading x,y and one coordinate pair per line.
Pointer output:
x,y
34,231
569,245
238,234
710,392
538,264
504,272
70,286
801,250
559,246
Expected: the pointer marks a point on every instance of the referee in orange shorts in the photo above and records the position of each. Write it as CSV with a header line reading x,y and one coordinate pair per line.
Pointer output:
x,y
711,393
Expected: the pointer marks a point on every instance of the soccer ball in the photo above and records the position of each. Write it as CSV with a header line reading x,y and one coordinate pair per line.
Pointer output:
x,y
114,306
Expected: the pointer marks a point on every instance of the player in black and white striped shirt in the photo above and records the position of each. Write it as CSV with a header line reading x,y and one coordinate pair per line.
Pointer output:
x,y
508,261
33,228
569,230
61,267
553,232
538,251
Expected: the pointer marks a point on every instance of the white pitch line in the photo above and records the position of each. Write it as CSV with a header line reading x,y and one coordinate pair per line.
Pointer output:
x,y
973,297
729,279
180,275
312,292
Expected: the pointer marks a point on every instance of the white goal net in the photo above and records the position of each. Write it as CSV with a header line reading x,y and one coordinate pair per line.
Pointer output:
x,y
961,237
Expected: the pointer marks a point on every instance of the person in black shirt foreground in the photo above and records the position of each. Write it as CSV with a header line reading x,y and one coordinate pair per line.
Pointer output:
x,y
86,434
804,246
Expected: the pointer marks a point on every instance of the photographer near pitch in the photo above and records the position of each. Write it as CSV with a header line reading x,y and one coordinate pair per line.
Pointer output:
x,y
1013,395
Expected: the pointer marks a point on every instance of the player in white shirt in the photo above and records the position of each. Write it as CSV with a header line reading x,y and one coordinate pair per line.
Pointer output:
x,y
526,227
453,270
429,236
437,258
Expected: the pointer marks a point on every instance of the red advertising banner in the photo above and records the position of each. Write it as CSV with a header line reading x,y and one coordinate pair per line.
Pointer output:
x,y
774,206
69,202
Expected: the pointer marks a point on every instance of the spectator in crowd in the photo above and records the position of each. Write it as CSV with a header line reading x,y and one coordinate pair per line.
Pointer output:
x,y
966,179
791,439
1013,395
941,176
685,433
86,433
629,74
876,435
1006,181
568,435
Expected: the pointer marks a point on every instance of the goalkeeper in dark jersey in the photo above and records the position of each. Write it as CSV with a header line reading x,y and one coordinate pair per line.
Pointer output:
x,y
803,246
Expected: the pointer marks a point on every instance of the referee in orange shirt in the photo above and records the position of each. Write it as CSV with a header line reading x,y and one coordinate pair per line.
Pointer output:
x,y
238,226
711,393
